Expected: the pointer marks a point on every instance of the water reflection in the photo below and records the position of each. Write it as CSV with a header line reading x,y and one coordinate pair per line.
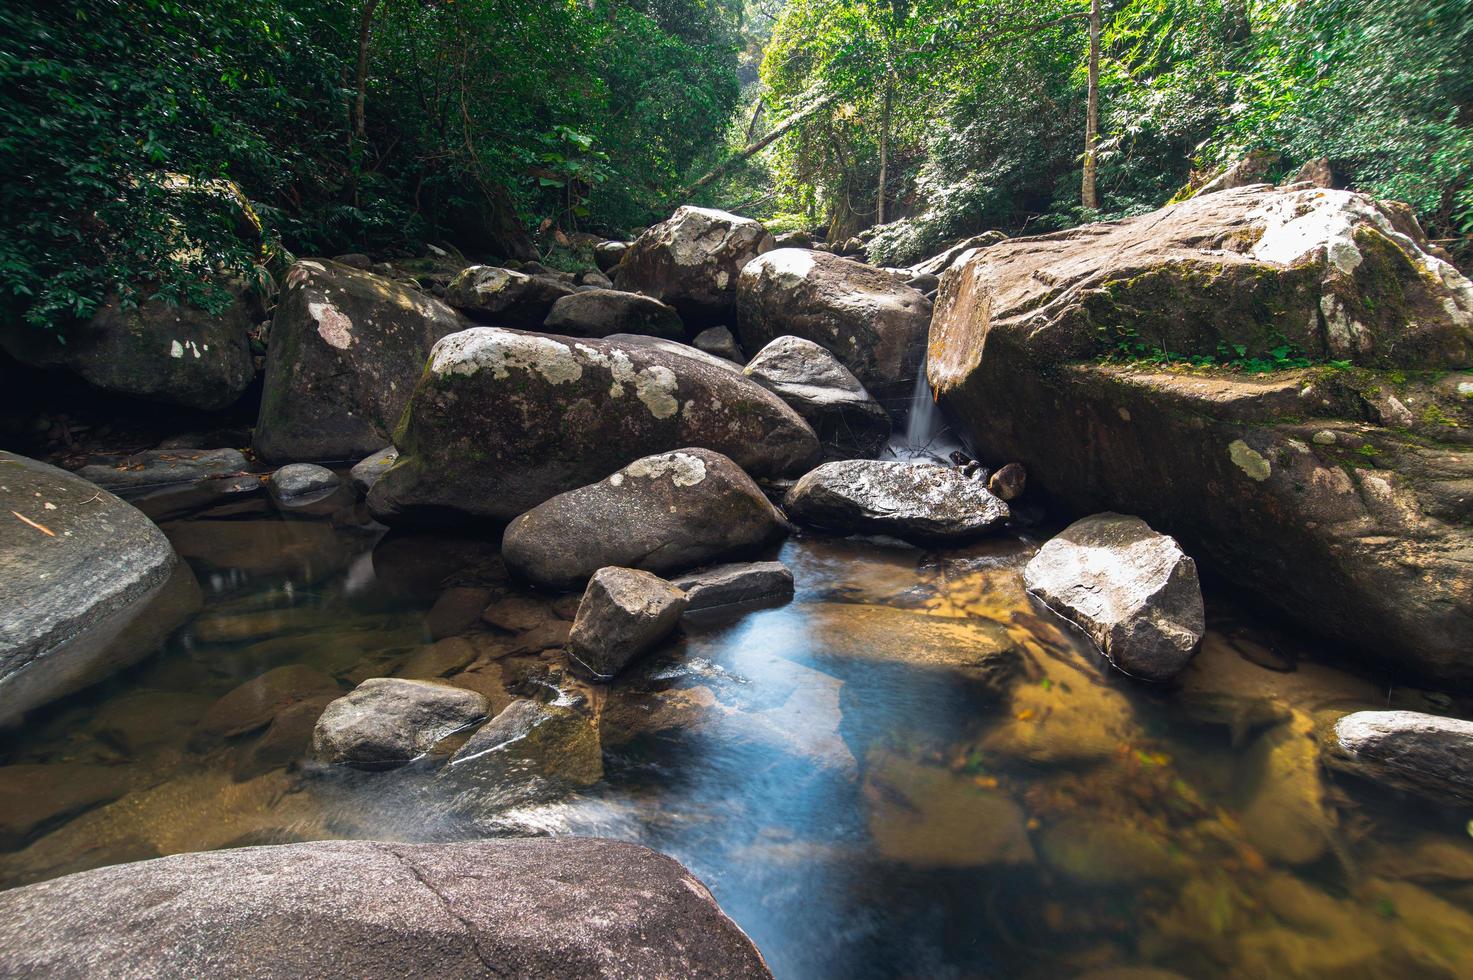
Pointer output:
x,y
909,770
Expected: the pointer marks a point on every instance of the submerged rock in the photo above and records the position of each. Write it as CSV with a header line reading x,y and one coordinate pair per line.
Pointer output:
x,y
692,259
255,703
1428,755
550,907
501,421
388,721
1103,853
1286,814
917,502
663,513
346,348
722,585
155,467
1131,590
530,751
848,420
87,583
1357,530
624,613
601,312
35,799
505,297
871,321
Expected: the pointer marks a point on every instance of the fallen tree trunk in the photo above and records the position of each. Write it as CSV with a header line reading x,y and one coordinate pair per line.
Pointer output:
x,y
753,148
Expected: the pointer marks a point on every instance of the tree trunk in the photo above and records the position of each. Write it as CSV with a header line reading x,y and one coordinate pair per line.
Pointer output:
x,y
884,153
1087,196
365,31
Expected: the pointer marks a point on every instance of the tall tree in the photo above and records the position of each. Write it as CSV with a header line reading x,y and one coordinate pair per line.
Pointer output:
x,y
1088,195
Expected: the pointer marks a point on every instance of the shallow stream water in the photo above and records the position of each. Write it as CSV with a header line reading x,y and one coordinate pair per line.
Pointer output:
x,y
910,770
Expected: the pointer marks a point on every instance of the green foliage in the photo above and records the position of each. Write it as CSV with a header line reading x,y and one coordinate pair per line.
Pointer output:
x,y
1128,348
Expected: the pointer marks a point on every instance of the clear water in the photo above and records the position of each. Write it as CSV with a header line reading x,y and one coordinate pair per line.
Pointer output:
x,y
863,794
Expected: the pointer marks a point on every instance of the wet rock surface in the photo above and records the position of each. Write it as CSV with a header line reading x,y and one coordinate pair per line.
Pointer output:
x,y
1130,589
388,721
501,421
724,585
691,261
533,908
911,501
624,613
663,513
531,750
848,420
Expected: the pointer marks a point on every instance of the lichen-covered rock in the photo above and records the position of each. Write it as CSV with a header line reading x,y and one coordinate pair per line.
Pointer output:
x,y
869,319
180,355
624,613
87,585
546,907
346,348
501,421
722,585
388,721
663,513
914,501
1429,755
848,420
691,260
505,297
1338,495
601,312
1131,590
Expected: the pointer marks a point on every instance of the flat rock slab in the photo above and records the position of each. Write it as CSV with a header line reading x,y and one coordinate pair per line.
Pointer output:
x,y
1428,755
390,721
77,567
1132,590
723,585
915,502
624,613
562,907
160,467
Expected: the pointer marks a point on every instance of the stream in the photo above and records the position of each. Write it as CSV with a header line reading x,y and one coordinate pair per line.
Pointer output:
x,y
865,791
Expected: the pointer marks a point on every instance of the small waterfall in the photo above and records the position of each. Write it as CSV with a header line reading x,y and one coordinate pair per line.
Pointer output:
x,y
923,421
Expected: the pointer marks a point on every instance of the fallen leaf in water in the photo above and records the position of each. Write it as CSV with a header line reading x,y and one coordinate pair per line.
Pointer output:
x,y
1025,714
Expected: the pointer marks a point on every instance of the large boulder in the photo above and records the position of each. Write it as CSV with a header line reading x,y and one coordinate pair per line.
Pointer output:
x,y
1338,492
1429,755
346,347
663,513
554,907
88,585
623,614
388,721
1131,590
505,297
871,320
501,421
601,312
848,420
177,354
913,501
691,260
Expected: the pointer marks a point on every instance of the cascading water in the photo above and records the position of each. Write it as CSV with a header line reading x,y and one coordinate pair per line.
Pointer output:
x,y
926,435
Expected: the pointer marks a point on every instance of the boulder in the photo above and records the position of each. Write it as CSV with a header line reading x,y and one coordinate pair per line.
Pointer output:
x,y
159,467
529,751
663,513
501,421
691,260
624,613
505,297
1428,755
365,472
718,342
544,907
88,584
1008,482
793,239
346,347
849,422
601,312
606,255
298,484
388,721
722,585
913,501
1131,590
871,321
1306,485
179,355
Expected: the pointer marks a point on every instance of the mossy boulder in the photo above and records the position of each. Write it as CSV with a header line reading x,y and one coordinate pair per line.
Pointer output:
x,y
346,347
502,420
1338,492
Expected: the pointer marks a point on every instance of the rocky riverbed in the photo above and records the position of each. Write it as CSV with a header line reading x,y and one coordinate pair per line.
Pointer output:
x,y
905,715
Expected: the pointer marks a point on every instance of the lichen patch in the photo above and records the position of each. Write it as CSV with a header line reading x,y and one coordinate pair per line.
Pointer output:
x,y
333,326
1249,460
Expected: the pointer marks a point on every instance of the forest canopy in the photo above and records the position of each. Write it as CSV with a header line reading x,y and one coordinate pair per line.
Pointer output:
x,y
501,127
